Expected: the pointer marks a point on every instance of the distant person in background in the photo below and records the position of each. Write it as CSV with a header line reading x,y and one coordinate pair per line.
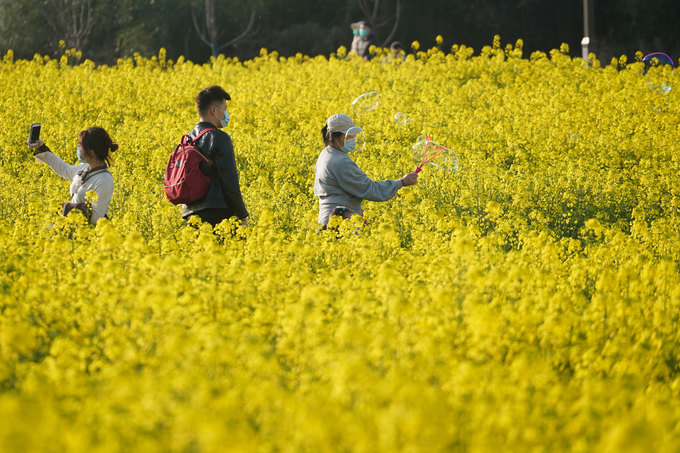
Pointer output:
x,y
396,49
397,54
355,37
363,39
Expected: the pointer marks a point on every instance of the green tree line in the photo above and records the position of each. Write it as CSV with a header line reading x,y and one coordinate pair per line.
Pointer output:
x,y
105,30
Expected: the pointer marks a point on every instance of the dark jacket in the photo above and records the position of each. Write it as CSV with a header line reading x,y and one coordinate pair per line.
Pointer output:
x,y
224,191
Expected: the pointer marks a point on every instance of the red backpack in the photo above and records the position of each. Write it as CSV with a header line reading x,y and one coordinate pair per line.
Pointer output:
x,y
184,181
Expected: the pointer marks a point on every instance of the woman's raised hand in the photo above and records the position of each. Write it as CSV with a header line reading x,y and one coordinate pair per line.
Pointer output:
x,y
35,145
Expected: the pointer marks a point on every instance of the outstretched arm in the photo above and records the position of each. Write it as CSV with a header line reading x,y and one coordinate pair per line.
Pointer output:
x,y
42,153
353,180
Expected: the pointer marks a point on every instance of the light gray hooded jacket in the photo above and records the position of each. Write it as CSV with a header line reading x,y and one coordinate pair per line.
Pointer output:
x,y
339,181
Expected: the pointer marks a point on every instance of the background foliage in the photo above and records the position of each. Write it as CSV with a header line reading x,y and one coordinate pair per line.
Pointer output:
x,y
123,27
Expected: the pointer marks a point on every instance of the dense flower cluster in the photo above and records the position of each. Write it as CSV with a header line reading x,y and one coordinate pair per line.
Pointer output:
x,y
529,301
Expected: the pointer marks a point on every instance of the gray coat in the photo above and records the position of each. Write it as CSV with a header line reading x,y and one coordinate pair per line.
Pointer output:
x,y
338,181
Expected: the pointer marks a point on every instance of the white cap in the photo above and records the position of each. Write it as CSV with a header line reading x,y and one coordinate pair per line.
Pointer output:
x,y
339,123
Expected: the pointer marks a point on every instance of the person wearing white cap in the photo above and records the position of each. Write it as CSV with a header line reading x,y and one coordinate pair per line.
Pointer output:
x,y
339,183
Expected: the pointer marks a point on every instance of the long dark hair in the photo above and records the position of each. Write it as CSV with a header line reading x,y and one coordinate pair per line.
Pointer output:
x,y
98,140
328,138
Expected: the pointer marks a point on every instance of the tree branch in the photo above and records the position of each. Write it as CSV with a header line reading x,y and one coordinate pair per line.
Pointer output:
x,y
364,8
72,20
395,26
48,17
251,22
199,31
84,26
374,16
211,22
383,23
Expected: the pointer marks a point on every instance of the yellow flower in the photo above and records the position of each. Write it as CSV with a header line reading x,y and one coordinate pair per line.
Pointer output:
x,y
522,302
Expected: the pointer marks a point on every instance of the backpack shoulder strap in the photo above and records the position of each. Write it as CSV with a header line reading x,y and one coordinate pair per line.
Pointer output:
x,y
203,132
85,175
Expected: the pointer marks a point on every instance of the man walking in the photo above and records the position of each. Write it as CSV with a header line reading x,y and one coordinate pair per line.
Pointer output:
x,y
223,199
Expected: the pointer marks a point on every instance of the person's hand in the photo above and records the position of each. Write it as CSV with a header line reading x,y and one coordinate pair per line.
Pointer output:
x,y
410,179
35,145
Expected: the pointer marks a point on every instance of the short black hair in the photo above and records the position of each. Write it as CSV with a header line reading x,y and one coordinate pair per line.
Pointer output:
x,y
210,95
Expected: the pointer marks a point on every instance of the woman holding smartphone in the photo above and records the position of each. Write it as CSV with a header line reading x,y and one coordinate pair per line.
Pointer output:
x,y
92,174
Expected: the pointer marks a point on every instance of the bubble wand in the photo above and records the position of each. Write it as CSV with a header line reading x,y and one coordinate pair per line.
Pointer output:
x,y
429,145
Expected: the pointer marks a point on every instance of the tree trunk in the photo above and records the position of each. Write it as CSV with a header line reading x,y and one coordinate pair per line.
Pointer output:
x,y
71,19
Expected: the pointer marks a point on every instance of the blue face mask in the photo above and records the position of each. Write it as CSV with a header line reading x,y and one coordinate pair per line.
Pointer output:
x,y
225,121
349,145
362,32
80,156
355,32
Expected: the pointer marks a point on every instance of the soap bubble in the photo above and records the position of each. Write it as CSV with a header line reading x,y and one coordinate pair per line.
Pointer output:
x,y
658,72
573,138
400,118
447,161
420,148
366,102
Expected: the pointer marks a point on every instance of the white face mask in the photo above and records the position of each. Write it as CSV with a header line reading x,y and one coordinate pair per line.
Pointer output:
x,y
79,154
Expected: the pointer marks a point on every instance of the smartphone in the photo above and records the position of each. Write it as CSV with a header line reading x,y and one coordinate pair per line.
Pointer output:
x,y
34,133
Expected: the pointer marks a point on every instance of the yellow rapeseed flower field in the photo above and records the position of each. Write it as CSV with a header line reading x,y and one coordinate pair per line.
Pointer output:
x,y
528,302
